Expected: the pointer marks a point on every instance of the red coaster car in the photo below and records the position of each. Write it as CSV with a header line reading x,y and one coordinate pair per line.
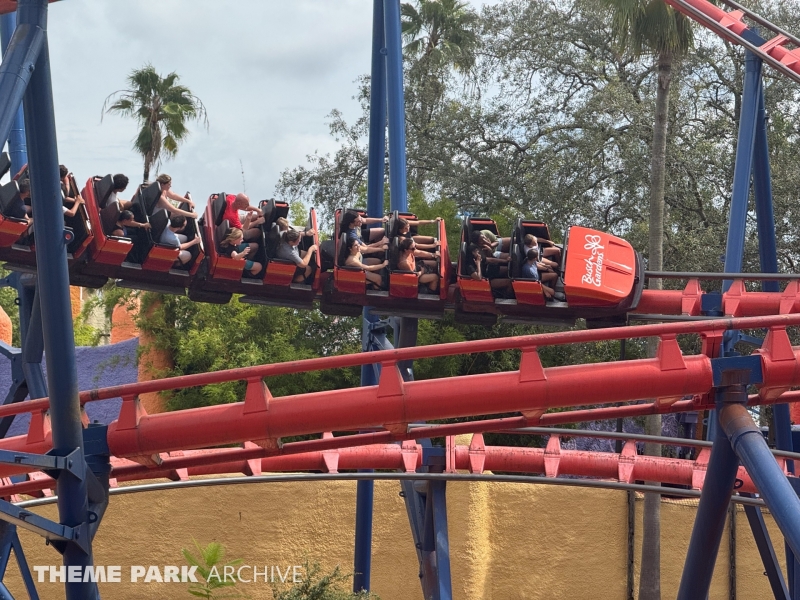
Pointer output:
x,y
399,293
599,277
139,259
274,285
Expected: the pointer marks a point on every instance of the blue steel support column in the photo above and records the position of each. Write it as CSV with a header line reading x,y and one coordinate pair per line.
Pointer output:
x,y
744,165
17,69
709,522
16,139
768,255
395,106
435,498
762,188
51,258
362,558
750,446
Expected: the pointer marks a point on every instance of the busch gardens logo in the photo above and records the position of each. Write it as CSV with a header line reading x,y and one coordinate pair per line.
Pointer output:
x,y
594,263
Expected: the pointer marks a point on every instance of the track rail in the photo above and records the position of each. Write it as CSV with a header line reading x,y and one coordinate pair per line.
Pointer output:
x,y
454,477
678,382
553,461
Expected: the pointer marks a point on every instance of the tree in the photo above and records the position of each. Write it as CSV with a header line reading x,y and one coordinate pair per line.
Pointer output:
x,y
653,27
161,108
210,337
440,36
440,32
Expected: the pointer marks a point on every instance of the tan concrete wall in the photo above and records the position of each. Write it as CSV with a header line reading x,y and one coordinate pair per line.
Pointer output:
x,y
508,541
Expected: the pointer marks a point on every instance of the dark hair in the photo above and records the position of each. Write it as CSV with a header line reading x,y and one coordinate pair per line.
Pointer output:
x,y
532,254
120,181
125,215
405,244
475,237
291,235
401,222
348,218
344,249
472,249
24,186
62,171
177,221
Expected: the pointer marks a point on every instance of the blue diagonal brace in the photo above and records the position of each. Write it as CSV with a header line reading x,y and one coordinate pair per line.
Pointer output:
x,y
43,461
24,570
772,568
53,532
4,593
18,64
9,540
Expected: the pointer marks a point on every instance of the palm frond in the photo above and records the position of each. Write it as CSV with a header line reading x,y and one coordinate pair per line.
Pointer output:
x,y
162,107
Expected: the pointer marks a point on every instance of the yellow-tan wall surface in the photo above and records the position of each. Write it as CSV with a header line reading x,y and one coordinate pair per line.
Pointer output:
x,y
507,541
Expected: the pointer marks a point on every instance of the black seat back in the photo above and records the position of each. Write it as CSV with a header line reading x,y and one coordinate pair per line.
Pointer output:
x,y
11,203
464,259
273,237
268,210
218,208
109,217
392,226
159,221
8,193
221,232
150,197
394,253
5,163
517,260
102,189
343,251
327,252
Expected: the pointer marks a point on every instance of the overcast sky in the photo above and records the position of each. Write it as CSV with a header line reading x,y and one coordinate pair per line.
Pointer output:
x,y
268,71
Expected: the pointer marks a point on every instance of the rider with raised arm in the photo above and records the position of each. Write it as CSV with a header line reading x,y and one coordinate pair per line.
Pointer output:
x,y
424,242
167,197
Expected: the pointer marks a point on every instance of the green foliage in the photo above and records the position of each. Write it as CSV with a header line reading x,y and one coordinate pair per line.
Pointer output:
x,y
553,122
211,568
208,337
650,25
440,32
317,586
161,107
85,335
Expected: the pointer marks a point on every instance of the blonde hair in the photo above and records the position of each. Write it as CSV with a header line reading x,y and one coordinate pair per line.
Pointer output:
x,y
282,223
164,178
234,234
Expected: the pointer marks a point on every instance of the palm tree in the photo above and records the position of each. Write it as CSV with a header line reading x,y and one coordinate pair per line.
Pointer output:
x,y
161,107
652,27
439,35
440,32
